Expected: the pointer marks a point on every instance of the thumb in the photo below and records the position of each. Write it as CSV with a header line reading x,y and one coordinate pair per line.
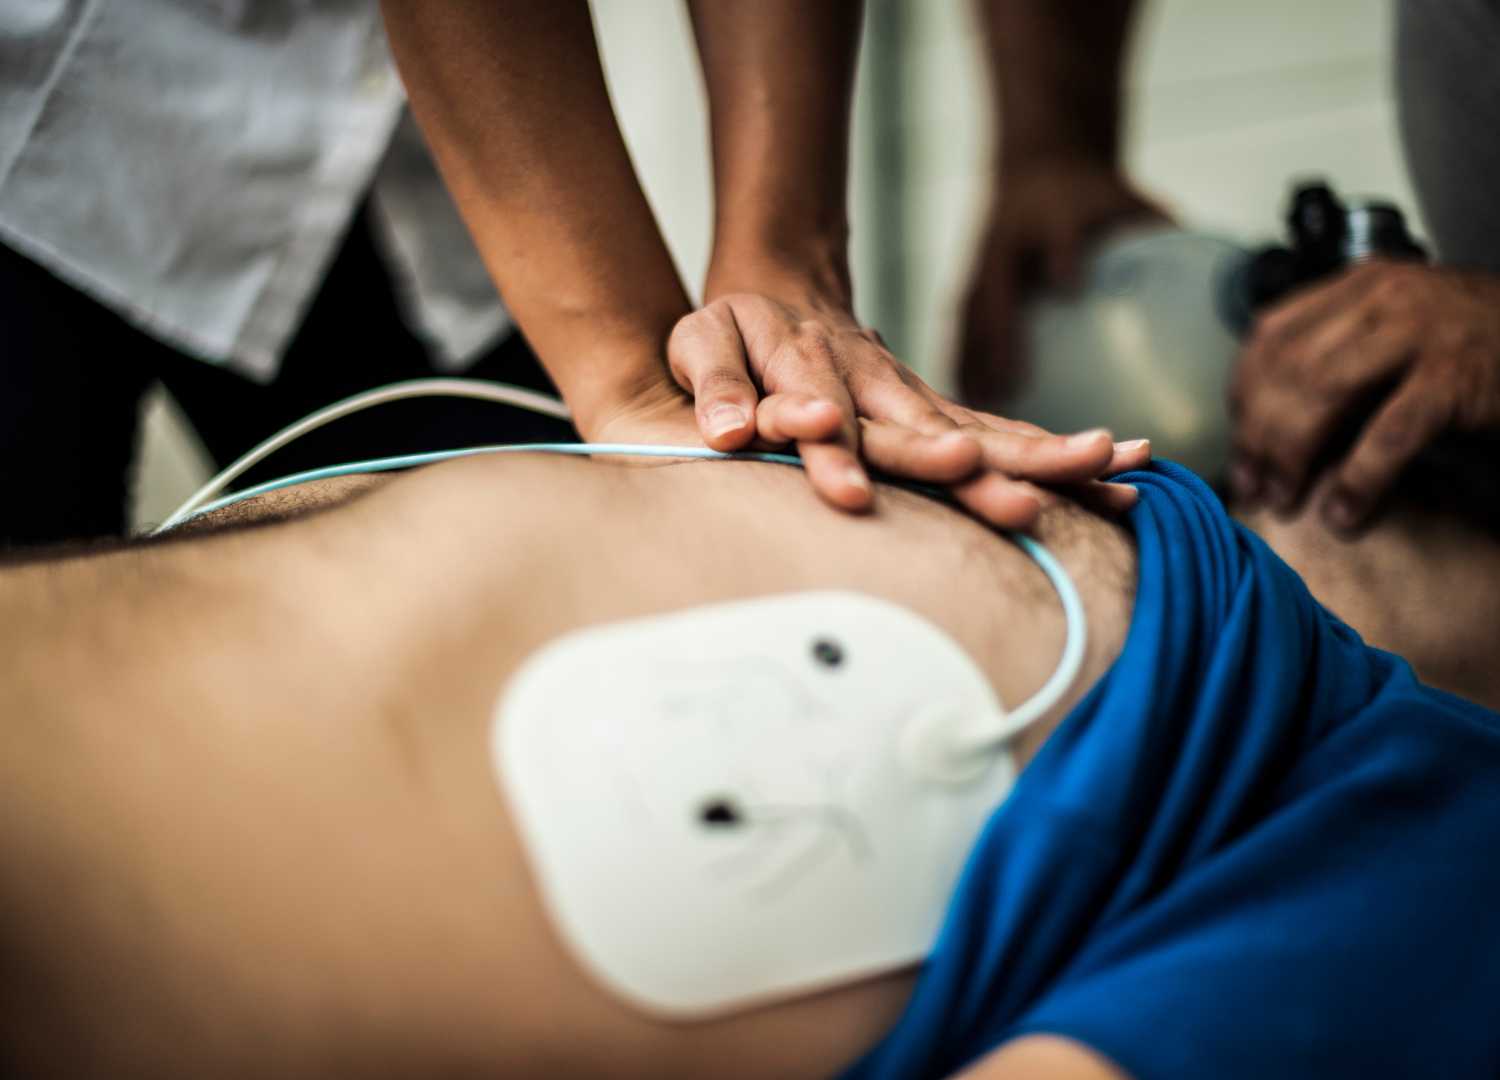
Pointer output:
x,y
707,358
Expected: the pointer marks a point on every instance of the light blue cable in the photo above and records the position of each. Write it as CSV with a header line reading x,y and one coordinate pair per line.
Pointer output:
x,y
1069,663
408,461
1012,722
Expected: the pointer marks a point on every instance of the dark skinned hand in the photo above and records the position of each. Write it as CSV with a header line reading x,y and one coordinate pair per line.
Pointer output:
x,y
1405,352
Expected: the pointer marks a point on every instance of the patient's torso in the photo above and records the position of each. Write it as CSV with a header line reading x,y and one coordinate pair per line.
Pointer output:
x,y
576,544
338,848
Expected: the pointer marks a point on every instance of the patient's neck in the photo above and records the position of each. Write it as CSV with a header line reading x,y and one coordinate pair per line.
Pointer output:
x,y
1423,582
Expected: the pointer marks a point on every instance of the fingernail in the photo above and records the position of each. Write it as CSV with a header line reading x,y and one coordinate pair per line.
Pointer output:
x,y
1340,513
722,419
1131,445
1084,438
951,438
858,479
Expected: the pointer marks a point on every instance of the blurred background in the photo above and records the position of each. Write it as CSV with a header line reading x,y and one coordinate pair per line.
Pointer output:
x,y
1229,102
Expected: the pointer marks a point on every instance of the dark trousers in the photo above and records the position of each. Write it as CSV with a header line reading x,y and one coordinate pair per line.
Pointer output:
x,y
72,375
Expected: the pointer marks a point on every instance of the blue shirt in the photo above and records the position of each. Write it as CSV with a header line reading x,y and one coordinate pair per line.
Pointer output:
x,y
1257,848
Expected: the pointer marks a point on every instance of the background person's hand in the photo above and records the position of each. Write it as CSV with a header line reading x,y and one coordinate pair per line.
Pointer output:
x,y
1045,215
1404,350
804,371
1044,218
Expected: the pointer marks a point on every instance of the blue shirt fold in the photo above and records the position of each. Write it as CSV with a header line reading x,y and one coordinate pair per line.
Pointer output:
x,y
1258,847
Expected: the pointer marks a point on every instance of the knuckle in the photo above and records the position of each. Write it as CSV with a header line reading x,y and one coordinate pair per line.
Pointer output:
x,y
1285,457
1027,452
930,421
1288,442
748,309
1369,319
1357,477
1401,432
814,346
1393,288
1262,330
685,327
1382,275
1334,384
690,331
719,380
1271,325
1256,418
741,301
1270,353
1295,363
1451,339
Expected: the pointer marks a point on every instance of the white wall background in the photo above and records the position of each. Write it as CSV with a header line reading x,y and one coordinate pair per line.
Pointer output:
x,y
1230,100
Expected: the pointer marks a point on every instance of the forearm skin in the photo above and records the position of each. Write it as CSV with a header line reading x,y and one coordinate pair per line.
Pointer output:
x,y
1056,70
511,97
780,76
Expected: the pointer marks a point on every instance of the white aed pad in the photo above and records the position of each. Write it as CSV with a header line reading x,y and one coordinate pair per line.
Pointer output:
x,y
732,804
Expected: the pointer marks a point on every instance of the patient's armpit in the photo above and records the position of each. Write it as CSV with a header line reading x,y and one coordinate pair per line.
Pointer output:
x,y
284,504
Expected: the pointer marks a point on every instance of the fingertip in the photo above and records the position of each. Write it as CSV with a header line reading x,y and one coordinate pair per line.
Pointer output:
x,y
1006,504
1132,454
1022,513
850,490
1122,497
837,476
1092,439
861,493
1091,449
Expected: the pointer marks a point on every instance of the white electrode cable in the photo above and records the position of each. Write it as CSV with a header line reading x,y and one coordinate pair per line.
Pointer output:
x,y
411,461
412,388
959,748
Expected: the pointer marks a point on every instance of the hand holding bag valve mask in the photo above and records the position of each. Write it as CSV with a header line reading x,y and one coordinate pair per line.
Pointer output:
x,y
1148,343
